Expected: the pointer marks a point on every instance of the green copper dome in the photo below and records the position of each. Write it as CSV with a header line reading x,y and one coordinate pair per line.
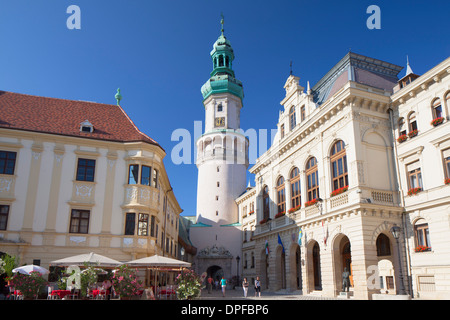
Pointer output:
x,y
222,77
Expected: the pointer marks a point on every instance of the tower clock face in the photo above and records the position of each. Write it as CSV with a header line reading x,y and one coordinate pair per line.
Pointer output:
x,y
220,122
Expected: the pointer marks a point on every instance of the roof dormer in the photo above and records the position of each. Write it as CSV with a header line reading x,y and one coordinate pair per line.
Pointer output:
x,y
86,126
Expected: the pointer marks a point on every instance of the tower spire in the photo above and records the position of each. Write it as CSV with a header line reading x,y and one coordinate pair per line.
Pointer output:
x,y
222,21
408,67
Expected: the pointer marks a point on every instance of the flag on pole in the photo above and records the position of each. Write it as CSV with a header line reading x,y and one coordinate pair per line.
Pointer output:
x,y
267,248
300,234
280,242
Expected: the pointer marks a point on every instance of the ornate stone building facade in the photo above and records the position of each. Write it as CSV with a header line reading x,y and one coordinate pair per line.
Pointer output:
x,y
336,180
79,177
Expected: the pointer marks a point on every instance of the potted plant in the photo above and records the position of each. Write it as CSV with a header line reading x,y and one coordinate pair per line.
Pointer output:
x,y
310,203
414,191
338,191
437,121
125,282
280,214
447,180
413,133
422,249
263,221
189,285
28,285
294,209
402,138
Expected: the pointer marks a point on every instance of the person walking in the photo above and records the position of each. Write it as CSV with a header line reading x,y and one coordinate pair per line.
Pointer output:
x,y
223,284
210,283
245,287
257,287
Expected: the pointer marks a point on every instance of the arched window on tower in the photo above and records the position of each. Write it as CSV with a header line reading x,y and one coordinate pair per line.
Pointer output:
x,y
295,188
266,203
220,61
281,195
227,61
312,179
339,172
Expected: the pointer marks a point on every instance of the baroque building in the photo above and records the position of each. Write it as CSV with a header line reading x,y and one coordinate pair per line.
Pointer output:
x,y
357,154
79,177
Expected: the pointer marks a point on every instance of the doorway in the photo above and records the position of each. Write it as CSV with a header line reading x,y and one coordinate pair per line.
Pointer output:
x,y
316,267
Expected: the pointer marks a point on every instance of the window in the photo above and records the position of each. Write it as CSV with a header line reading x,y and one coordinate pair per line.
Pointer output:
x,y
219,108
281,195
155,178
4,213
412,123
312,178
422,234
133,175
302,113
129,224
295,188
292,122
437,108
282,131
143,224
7,162
401,127
414,175
339,172
266,203
79,221
446,154
85,170
383,245
146,175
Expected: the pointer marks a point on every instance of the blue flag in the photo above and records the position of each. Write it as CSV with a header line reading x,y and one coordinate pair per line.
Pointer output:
x,y
300,234
279,241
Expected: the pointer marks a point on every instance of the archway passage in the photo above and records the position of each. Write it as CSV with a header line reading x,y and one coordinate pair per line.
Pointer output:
x,y
316,267
215,272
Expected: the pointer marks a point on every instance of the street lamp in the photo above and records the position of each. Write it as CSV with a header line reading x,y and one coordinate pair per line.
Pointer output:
x,y
395,230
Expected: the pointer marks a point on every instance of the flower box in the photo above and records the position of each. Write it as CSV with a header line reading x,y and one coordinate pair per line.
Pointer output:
x,y
437,121
251,212
310,203
414,191
263,221
402,138
413,133
447,180
294,209
280,214
338,191
422,249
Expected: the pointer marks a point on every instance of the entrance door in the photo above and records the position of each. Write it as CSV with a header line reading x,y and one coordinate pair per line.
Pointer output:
x,y
316,266
347,261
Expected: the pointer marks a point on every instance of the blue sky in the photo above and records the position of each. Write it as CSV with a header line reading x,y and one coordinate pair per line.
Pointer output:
x,y
157,52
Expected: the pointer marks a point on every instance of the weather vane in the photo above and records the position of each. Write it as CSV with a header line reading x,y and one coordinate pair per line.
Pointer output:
x,y
222,22
291,68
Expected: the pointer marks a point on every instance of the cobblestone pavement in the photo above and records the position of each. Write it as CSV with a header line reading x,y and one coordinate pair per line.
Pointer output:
x,y
238,294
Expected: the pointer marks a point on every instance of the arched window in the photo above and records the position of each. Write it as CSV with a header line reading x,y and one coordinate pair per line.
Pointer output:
x,y
401,127
227,61
292,121
339,172
383,245
295,188
220,61
266,203
437,108
281,195
412,123
312,179
422,235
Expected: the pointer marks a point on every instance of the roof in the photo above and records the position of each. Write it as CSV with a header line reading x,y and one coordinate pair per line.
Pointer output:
x,y
64,117
358,68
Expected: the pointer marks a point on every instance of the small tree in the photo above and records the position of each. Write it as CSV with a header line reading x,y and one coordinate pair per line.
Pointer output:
x,y
9,263
125,282
189,285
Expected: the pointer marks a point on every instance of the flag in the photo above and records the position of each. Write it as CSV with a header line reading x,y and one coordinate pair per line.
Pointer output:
x,y
267,248
300,234
281,243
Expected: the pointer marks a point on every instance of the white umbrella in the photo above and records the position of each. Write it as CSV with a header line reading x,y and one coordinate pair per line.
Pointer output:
x,y
30,268
89,258
158,261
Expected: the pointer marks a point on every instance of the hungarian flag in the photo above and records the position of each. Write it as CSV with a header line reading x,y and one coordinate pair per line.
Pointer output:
x,y
267,247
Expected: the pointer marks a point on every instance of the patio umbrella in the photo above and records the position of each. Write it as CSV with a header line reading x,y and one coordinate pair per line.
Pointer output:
x,y
158,261
89,258
30,268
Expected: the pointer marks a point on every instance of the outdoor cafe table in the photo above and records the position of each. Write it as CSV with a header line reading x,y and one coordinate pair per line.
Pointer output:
x,y
60,293
95,293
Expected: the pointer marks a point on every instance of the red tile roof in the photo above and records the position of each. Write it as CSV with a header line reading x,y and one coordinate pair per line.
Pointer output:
x,y
63,117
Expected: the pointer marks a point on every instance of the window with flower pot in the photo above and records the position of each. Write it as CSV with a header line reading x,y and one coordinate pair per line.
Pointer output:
x,y
312,179
422,236
437,108
292,121
295,188
266,203
281,195
414,176
401,127
339,171
412,125
446,154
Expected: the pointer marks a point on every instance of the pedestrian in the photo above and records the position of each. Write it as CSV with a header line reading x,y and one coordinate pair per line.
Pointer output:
x,y
257,287
223,283
210,283
245,287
